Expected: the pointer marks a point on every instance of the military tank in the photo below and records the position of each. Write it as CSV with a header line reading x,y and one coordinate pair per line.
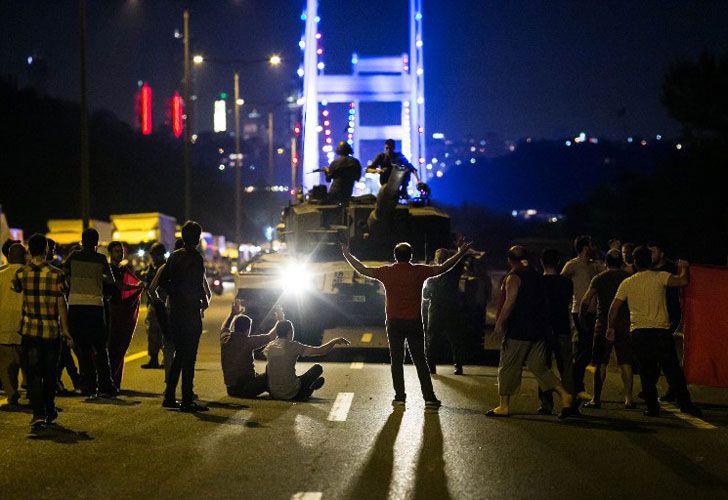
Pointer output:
x,y
310,278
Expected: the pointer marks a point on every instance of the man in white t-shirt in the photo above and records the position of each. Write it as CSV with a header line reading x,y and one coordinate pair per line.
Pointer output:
x,y
650,333
282,354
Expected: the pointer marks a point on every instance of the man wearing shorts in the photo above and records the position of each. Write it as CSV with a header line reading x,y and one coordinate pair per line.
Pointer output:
x,y
604,286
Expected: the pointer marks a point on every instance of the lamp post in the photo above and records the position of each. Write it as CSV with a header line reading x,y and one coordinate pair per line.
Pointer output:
x,y
187,121
274,60
238,177
85,169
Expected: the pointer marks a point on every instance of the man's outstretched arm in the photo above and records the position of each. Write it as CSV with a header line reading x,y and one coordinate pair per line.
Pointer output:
x,y
450,263
356,263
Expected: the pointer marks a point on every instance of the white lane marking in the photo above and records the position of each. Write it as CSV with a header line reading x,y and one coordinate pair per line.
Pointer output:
x,y
340,410
134,357
694,421
307,495
356,365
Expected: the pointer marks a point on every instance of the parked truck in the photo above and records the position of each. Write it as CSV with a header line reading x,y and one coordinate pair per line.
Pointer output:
x,y
144,229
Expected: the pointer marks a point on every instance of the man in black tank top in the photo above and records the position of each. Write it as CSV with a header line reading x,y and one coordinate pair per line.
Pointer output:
x,y
522,322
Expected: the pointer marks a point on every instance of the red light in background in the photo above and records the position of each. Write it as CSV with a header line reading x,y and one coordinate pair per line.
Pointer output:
x,y
177,123
145,102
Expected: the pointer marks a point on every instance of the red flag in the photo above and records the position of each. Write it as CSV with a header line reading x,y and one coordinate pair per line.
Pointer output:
x,y
705,315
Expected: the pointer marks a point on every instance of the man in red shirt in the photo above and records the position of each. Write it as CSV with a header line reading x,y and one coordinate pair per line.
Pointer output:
x,y
403,283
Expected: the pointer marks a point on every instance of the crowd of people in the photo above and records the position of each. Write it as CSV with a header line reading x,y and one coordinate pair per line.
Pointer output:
x,y
627,302
574,315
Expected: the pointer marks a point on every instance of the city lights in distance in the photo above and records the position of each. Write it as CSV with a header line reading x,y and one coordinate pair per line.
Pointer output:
x,y
678,146
198,59
438,135
240,101
275,60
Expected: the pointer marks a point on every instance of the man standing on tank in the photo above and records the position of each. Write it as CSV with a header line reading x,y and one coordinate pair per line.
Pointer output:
x,y
343,172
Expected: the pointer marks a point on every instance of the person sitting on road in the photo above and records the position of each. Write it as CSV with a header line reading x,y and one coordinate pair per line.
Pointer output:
x,y
236,353
282,355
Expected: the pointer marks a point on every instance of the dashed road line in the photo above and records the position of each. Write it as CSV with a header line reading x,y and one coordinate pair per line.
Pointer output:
x,y
340,409
356,365
366,338
694,421
135,356
307,495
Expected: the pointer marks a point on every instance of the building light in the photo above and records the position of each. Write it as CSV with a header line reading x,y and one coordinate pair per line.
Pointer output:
x,y
220,117
145,101
177,122
438,135
678,146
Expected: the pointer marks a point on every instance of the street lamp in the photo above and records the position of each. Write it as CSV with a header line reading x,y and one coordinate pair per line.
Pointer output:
x,y
273,60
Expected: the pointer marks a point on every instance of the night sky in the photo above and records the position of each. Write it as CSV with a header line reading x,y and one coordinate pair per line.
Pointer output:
x,y
518,68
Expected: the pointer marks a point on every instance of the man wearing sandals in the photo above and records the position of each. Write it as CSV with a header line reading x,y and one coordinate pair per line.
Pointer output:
x,y
522,322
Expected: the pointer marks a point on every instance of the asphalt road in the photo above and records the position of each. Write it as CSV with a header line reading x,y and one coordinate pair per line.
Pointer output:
x,y
132,448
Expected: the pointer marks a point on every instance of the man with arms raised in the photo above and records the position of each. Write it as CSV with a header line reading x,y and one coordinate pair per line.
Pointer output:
x,y
403,303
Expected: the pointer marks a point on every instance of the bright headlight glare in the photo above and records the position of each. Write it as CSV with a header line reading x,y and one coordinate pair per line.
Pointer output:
x,y
296,278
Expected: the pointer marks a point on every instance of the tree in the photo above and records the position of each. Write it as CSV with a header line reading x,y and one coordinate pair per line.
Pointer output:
x,y
695,94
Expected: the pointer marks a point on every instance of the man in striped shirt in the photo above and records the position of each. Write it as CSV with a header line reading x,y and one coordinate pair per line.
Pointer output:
x,y
44,322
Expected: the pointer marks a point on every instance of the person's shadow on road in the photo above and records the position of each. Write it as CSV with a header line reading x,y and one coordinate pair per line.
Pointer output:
x,y
430,479
59,434
376,475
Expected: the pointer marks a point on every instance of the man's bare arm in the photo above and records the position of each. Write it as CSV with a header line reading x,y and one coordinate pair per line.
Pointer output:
x,y
513,283
612,317
154,285
356,263
324,349
682,278
450,263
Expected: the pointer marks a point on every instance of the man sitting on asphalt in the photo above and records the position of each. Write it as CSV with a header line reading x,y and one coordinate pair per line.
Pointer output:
x,y
236,353
650,330
282,355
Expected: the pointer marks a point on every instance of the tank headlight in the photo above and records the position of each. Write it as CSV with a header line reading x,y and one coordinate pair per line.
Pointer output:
x,y
296,278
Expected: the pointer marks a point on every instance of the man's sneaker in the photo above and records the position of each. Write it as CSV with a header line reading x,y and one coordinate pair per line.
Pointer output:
x,y
192,407
433,403
458,370
51,416
398,401
110,394
171,403
37,421
318,384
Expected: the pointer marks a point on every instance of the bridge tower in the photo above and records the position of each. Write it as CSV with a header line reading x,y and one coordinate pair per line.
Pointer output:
x,y
396,79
